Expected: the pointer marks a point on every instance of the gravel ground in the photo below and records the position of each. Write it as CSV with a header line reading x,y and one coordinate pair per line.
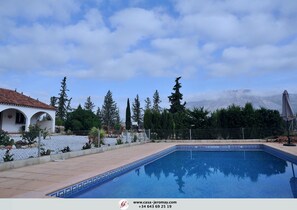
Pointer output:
x,y
56,143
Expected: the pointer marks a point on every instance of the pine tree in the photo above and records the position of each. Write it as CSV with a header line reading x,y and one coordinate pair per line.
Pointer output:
x,y
176,98
128,116
68,107
137,114
156,102
148,103
89,105
63,101
109,111
99,116
118,120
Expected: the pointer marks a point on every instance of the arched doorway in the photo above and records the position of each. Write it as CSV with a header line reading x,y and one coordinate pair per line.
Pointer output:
x,y
13,120
43,119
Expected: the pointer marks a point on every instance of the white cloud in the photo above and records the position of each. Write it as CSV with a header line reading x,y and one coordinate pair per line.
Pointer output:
x,y
231,29
136,19
80,73
241,7
94,19
263,28
209,47
221,37
213,27
256,60
134,24
33,9
178,48
106,53
237,22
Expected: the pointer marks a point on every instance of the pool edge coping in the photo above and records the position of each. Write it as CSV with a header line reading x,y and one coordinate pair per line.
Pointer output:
x,y
110,174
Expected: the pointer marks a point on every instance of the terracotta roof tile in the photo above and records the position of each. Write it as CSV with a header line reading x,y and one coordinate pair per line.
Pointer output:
x,y
12,97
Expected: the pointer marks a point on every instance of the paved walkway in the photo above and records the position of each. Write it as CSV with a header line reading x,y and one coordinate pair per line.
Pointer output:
x,y
38,180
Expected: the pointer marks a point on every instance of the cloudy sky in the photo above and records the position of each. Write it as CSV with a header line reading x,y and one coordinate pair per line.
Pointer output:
x,y
137,46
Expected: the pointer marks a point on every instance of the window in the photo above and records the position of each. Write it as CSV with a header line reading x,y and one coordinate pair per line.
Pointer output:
x,y
20,118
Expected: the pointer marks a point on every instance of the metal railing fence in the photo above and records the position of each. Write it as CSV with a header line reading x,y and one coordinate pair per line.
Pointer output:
x,y
57,143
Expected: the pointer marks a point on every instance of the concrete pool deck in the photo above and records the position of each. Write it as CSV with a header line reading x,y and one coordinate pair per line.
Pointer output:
x,y
38,180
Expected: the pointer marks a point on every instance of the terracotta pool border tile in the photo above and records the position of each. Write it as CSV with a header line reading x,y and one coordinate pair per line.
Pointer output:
x,y
104,161
109,175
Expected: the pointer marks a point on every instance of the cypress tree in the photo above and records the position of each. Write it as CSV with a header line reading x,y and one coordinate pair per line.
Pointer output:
x,y
176,98
128,116
63,101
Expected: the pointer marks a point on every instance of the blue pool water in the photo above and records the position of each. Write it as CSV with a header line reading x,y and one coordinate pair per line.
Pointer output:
x,y
204,174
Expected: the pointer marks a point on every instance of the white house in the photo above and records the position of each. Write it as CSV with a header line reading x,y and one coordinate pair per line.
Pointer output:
x,y
18,111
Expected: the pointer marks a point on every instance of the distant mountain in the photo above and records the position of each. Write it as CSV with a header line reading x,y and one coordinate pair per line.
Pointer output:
x,y
240,98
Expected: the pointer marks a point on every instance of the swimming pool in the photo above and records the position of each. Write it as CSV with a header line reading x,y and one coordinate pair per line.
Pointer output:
x,y
186,171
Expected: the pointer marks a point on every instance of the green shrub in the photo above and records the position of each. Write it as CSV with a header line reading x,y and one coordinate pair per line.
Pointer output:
x,y
119,141
81,120
5,139
44,152
88,145
93,136
134,138
66,149
20,143
7,156
45,133
31,135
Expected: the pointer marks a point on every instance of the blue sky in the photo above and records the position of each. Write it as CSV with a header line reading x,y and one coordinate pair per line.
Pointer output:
x,y
137,46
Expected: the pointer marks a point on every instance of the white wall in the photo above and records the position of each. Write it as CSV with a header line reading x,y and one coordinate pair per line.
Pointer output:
x,y
8,121
9,124
45,124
